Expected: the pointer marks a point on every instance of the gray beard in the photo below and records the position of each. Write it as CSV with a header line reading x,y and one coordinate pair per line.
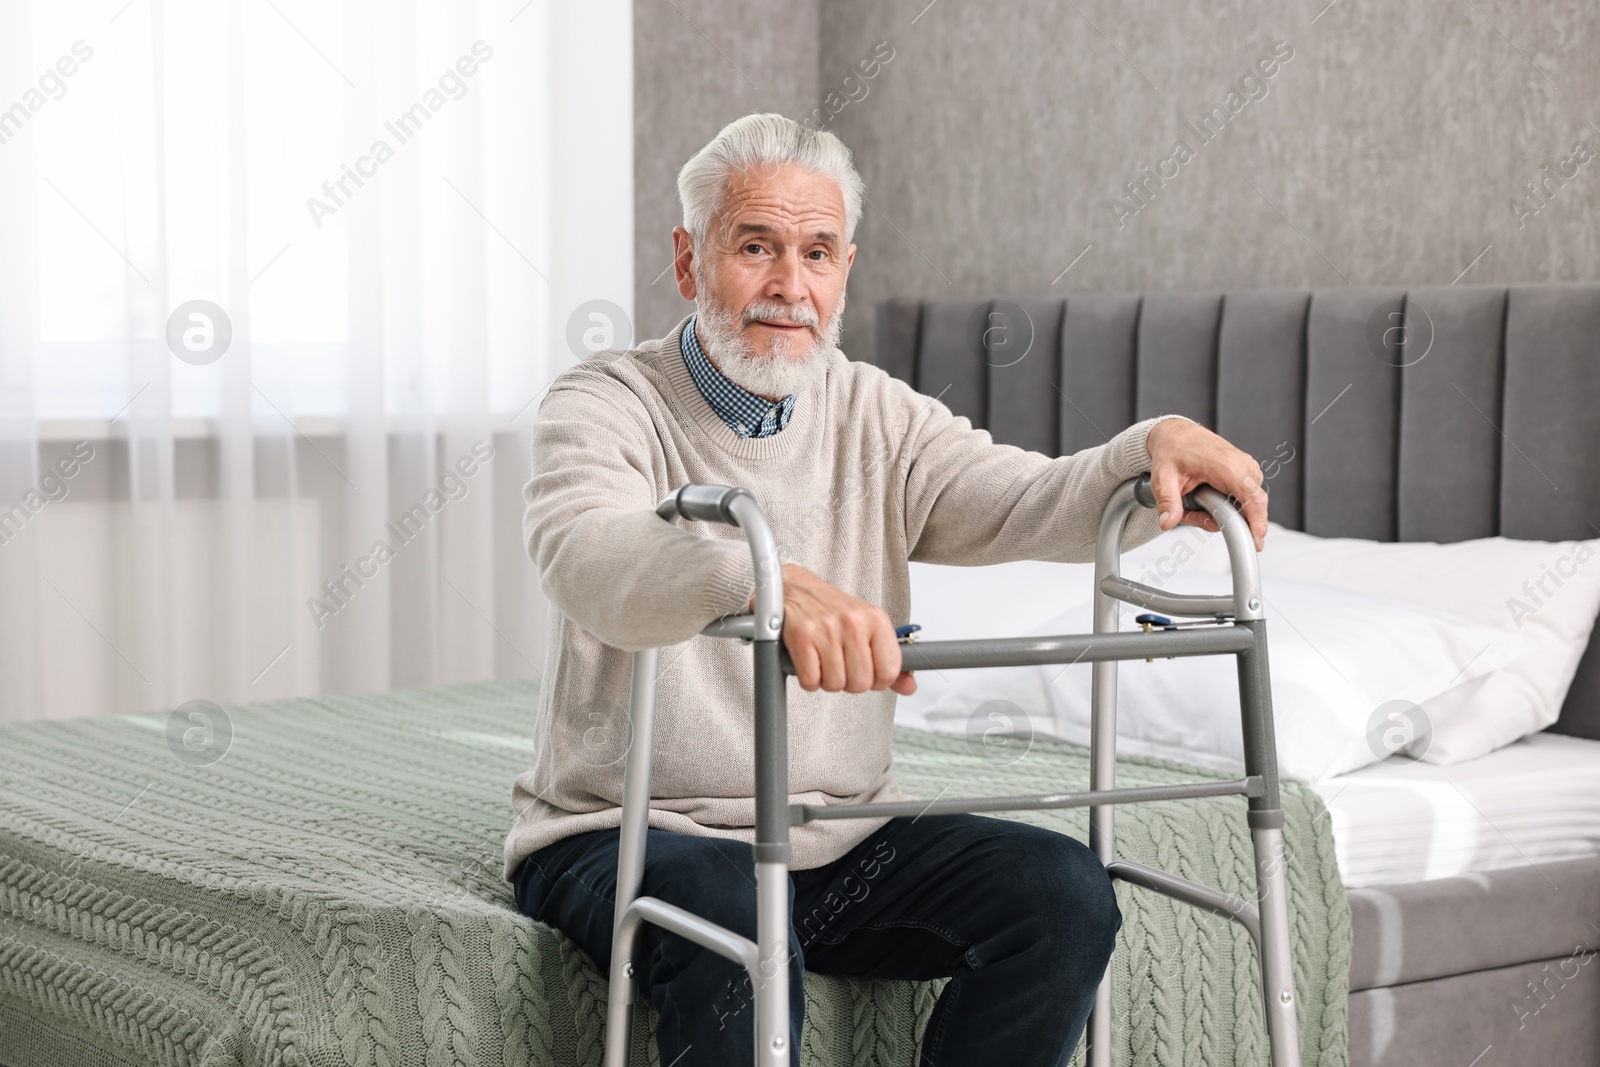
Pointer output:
x,y
779,373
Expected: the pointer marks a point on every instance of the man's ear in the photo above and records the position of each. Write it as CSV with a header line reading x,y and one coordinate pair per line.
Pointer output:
x,y
683,262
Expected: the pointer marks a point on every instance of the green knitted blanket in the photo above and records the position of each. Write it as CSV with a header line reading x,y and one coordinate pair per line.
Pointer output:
x,y
328,893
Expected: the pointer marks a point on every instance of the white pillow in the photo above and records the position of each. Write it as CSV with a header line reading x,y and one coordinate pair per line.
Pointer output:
x,y
1492,580
1008,599
1347,669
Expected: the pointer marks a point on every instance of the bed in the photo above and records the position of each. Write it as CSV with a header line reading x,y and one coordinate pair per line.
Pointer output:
x,y
326,890
1431,414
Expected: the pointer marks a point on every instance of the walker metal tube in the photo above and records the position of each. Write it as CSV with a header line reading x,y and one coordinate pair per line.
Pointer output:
x,y
696,928
741,626
1241,543
1255,717
1145,596
630,856
771,858
1277,963
1201,896
1266,835
1073,648
771,847
804,813
1061,648
772,792
1103,740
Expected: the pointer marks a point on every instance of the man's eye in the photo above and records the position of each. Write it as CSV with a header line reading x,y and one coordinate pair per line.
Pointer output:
x,y
822,253
752,247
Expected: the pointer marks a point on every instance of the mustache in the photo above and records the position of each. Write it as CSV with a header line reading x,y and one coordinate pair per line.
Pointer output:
x,y
773,311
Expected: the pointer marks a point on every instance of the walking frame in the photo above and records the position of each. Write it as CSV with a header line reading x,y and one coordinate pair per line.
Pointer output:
x,y
1234,624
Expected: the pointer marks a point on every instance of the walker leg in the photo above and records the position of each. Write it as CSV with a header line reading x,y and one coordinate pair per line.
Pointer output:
x,y
1277,968
1266,835
619,1018
1102,831
772,858
1098,1032
630,855
772,987
1103,754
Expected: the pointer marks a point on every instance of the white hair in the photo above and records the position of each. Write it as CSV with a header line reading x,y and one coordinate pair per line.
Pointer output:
x,y
764,140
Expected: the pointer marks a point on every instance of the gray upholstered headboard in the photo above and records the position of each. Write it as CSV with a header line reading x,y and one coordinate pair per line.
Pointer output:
x,y
1429,414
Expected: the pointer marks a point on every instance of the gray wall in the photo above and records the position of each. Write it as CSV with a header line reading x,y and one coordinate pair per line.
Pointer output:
x,y
1388,149
698,65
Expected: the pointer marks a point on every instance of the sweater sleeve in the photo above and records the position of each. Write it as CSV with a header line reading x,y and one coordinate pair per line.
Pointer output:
x,y
970,501
606,560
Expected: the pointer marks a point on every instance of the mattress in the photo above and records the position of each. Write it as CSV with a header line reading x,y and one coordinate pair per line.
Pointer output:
x,y
1533,802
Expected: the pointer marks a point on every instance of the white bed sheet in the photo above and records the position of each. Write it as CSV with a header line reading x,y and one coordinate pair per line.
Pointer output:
x,y
1533,802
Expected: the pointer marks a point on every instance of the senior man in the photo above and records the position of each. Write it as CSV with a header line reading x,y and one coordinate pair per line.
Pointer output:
x,y
751,390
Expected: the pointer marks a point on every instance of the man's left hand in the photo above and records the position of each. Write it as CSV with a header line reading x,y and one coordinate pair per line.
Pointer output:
x,y
1185,454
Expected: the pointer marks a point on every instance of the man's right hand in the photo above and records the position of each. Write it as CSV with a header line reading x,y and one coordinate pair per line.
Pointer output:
x,y
837,641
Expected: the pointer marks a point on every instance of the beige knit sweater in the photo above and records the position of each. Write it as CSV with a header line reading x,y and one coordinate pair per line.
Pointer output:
x,y
867,475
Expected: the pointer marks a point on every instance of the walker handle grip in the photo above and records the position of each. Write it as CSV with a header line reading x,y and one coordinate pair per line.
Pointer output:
x,y
1146,496
703,503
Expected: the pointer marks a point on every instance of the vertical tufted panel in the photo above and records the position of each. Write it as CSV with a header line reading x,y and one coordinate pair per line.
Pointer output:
x,y
1449,477
1177,347
1352,406
1261,389
1097,368
1549,489
1023,350
1551,413
897,327
950,362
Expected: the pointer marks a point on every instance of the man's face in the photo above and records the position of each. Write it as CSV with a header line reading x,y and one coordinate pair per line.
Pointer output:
x,y
774,264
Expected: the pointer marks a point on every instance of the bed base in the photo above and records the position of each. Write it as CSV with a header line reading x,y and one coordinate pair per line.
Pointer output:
x,y
1519,992
1239,630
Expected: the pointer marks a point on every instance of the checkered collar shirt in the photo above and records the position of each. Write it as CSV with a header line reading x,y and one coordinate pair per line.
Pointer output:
x,y
745,413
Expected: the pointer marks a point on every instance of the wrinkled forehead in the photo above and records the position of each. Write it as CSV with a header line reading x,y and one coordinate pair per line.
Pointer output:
x,y
786,202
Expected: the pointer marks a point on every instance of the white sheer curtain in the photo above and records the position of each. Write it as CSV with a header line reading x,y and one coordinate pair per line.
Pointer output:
x,y
397,211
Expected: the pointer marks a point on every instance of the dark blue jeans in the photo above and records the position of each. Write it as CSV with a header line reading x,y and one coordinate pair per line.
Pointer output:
x,y
1021,919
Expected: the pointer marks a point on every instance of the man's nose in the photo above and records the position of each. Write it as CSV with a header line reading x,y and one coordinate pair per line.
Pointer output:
x,y
783,283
